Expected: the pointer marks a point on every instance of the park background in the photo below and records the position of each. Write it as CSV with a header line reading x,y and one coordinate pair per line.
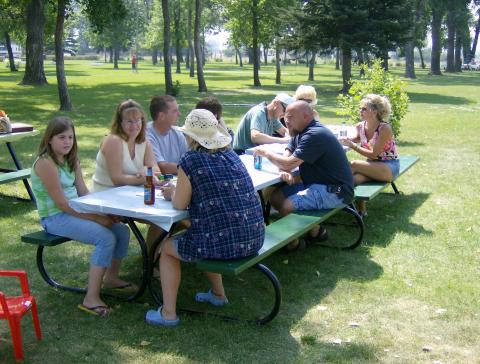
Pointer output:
x,y
409,294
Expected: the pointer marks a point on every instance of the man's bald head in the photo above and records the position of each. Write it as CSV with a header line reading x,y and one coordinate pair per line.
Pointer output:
x,y
297,116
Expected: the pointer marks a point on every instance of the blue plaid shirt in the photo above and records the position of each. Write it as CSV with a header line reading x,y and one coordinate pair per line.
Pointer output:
x,y
225,210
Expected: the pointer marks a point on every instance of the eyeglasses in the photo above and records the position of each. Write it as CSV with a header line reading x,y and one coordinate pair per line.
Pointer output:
x,y
132,122
283,106
363,109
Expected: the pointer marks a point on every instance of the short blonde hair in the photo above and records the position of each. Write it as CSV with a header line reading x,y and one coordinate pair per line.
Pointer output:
x,y
380,104
306,93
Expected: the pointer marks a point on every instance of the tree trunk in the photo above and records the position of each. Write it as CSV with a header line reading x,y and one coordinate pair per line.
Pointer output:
x,y
116,55
155,55
437,17
176,24
346,68
240,57
110,54
255,30
311,66
451,41
410,51
250,55
11,59
166,49
34,73
422,62
361,59
190,43
278,70
458,51
202,87
337,58
265,55
475,41
236,55
65,102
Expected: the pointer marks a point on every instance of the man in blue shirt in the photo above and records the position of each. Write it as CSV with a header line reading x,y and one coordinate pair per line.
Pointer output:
x,y
260,122
326,179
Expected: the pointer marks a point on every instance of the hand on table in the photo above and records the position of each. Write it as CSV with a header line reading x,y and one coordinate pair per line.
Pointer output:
x,y
347,142
168,191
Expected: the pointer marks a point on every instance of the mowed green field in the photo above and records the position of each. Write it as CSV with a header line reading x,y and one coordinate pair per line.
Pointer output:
x,y
409,294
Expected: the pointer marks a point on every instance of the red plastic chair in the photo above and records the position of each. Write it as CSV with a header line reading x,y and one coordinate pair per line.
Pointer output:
x,y
13,308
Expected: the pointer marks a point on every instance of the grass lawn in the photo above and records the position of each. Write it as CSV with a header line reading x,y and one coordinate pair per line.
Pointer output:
x,y
414,283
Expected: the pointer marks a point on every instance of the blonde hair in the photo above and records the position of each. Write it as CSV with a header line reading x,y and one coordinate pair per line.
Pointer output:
x,y
380,104
306,93
125,108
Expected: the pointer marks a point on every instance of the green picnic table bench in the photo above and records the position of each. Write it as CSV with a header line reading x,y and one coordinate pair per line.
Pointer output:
x,y
368,191
277,235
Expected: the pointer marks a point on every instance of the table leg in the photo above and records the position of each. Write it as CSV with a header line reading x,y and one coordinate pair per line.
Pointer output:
x,y
145,261
265,207
19,167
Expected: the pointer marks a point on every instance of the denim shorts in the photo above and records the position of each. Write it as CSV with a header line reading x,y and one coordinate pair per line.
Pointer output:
x,y
394,165
313,197
110,243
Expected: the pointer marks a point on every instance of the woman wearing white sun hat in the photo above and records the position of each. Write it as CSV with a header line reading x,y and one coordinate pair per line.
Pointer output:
x,y
225,212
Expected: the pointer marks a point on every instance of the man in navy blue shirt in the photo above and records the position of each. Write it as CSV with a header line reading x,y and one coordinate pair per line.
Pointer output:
x,y
326,179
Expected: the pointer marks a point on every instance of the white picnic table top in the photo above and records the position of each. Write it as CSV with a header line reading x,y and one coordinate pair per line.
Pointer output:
x,y
128,200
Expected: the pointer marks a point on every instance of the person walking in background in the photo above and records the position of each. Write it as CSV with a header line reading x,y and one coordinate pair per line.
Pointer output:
x,y
225,213
134,63
377,144
260,122
168,144
56,179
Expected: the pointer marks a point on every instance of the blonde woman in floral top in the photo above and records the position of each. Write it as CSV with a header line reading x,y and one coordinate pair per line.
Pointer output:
x,y
376,142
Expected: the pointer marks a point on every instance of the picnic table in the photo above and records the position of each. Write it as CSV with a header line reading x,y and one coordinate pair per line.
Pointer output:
x,y
127,201
11,175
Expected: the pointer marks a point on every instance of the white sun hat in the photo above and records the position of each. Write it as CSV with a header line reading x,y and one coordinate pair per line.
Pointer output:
x,y
202,126
306,93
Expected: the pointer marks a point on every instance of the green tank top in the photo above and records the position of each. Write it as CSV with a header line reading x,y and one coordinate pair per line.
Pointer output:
x,y
45,204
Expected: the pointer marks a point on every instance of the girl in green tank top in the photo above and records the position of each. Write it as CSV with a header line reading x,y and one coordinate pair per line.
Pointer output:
x,y
56,179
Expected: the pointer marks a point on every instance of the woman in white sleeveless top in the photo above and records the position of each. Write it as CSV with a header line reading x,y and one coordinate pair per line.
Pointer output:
x,y
125,154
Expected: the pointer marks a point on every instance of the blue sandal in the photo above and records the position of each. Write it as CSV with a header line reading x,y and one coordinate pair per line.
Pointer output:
x,y
154,317
210,298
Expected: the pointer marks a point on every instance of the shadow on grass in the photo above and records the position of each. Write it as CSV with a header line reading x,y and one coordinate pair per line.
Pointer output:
x,y
406,143
426,98
390,214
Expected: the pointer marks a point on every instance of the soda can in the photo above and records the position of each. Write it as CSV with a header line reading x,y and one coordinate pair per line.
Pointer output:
x,y
257,162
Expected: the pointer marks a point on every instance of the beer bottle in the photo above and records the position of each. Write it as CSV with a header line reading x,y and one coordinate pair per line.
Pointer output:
x,y
149,188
